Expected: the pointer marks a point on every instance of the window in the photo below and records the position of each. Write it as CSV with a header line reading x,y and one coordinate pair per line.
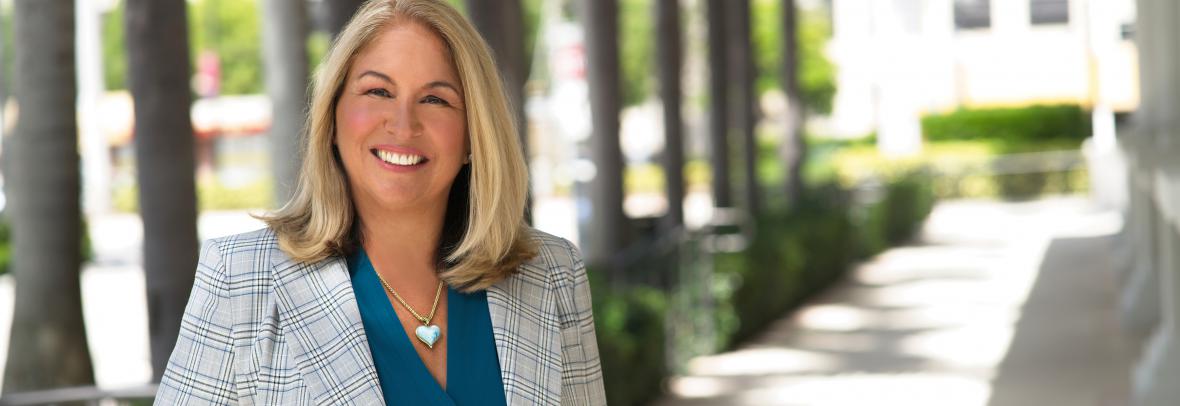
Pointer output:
x,y
909,15
1049,11
972,14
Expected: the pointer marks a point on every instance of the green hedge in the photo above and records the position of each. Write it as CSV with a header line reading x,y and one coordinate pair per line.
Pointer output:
x,y
793,255
1014,126
797,254
630,324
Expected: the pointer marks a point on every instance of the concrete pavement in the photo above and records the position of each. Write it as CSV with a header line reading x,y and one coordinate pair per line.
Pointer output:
x,y
998,304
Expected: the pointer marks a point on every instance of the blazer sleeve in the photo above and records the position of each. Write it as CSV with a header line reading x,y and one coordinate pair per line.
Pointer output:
x,y
581,375
200,370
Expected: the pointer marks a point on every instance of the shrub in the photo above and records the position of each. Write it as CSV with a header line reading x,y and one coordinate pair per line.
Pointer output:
x,y
793,255
798,253
1014,127
629,323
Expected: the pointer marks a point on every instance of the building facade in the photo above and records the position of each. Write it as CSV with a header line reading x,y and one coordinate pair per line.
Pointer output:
x,y
1150,301
900,59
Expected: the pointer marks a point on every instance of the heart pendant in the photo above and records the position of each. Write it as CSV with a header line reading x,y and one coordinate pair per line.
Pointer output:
x,y
428,334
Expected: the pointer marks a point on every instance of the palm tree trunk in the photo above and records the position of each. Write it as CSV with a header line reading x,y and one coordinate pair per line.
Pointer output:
x,y
718,105
670,57
794,147
284,29
158,63
601,21
48,344
339,12
501,23
742,98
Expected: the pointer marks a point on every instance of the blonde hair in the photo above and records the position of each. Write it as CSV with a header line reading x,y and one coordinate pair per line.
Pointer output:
x,y
484,236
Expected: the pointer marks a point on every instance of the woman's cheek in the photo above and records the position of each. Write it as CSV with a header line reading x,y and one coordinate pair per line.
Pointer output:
x,y
356,118
452,126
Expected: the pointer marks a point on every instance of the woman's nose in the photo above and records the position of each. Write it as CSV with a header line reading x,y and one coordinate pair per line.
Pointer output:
x,y
402,120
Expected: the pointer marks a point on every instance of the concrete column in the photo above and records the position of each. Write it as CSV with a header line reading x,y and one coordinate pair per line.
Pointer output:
x,y
1156,183
1139,303
1155,377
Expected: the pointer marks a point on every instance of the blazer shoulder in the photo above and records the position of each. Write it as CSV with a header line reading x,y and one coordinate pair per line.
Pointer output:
x,y
263,239
553,252
242,255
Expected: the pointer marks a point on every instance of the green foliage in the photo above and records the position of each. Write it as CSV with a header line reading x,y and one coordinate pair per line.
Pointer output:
x,y
317,48
629,323
229,28
797,253
817,74
636,49
5,245
210,196
964,167
114,49
7,50
532,23
1013,126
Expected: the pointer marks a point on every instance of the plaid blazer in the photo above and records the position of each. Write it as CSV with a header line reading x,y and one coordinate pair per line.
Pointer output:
x,y
263,329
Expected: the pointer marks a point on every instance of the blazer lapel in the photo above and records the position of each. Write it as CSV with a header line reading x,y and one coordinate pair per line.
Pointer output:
x,y
317,307
528,336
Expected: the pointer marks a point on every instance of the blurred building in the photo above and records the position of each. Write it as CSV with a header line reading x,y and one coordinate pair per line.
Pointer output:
x,y
899,59
1151,291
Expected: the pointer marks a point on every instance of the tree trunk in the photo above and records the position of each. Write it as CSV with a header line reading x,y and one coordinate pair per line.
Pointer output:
x,y
339,12
48,343
284,37
601,22
670,59
742,97
501,23
718,89
794,146
158,67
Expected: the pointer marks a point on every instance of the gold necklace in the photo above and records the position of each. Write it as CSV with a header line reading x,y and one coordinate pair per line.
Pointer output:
x,y
427,333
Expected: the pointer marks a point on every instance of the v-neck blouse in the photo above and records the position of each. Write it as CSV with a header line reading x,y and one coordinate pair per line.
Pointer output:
x,y
473,369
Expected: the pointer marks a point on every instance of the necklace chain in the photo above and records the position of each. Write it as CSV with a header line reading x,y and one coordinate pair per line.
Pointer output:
x,y
433,307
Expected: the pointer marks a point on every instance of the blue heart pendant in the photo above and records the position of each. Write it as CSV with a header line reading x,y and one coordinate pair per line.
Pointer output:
x,y
428,334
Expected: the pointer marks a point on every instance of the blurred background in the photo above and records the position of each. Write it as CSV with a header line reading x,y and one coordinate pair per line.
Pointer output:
x,y
781,202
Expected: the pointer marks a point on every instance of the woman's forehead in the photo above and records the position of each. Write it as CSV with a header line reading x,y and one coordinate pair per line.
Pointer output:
x,y
406,46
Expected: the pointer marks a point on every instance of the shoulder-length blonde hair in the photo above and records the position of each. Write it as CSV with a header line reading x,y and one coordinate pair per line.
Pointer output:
x,y
484,235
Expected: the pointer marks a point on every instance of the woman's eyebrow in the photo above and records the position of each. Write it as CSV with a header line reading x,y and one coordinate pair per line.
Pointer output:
x,y
376,74
443,83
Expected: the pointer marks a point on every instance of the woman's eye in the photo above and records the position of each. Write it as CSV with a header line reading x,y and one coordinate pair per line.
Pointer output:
x,y
379,92
435,100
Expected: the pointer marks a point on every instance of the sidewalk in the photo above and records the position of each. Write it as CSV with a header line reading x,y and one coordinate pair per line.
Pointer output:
x,y
1001,304
114,303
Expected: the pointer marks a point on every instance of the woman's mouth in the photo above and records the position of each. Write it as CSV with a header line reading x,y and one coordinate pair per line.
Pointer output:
x,y
398,159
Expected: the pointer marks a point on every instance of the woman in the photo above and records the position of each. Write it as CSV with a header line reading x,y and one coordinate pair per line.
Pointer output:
x,y
402,271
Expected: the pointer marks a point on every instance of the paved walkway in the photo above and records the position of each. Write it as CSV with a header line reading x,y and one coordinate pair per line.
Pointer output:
x,y
1001,304
114,305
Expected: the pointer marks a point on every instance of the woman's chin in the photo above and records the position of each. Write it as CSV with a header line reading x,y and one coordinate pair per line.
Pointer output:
x,y
401,198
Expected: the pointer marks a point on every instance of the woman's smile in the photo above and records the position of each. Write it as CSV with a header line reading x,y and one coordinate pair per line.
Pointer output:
x,y
399,159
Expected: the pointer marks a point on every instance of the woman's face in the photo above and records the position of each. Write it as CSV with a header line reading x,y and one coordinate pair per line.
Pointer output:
x,y
400,121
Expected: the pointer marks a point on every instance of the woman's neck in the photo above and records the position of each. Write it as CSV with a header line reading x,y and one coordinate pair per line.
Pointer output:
x,y
408,238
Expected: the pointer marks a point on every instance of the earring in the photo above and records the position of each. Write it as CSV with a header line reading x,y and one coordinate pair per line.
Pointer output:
x,y
468,160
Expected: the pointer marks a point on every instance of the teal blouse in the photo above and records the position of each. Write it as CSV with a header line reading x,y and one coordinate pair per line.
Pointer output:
x,y
473,370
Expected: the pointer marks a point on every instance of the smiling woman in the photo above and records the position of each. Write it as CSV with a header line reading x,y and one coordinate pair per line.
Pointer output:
x,y
402,271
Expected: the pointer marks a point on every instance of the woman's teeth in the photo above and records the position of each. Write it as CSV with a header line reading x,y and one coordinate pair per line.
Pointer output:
x,y
394,158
